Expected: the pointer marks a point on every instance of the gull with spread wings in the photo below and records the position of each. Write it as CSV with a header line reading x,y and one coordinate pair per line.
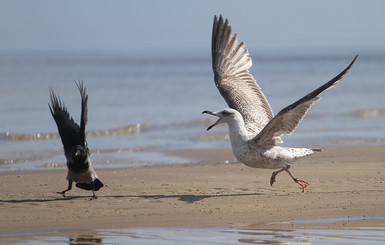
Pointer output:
x,y
254,130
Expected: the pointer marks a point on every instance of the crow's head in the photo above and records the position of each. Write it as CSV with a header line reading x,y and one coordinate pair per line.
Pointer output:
x,y
79,154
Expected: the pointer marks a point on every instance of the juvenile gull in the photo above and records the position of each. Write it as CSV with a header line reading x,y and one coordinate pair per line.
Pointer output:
x,y
254,130
76,150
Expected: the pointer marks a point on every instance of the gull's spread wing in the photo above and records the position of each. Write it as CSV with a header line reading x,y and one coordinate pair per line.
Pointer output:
x,y
287,120
235,83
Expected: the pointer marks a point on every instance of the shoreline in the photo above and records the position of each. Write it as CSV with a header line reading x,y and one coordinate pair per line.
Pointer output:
x,y
344,182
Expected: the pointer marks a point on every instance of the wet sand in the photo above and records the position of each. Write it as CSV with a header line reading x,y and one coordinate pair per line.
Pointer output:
x,y
217,191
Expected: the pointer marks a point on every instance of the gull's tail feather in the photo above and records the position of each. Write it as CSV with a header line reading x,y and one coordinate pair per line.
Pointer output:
x,y
317,150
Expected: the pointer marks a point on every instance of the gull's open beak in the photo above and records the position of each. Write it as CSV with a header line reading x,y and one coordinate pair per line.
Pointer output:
x,y
214,114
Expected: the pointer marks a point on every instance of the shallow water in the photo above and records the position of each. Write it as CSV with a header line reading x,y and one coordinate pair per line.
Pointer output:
x,y
320,234
141,107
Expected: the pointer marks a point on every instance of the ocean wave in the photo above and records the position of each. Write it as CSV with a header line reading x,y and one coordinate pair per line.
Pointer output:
x,y
129,129
20,160
369,113
54,165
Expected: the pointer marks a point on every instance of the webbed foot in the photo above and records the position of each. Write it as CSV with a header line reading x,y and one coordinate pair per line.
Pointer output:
x,y
302,183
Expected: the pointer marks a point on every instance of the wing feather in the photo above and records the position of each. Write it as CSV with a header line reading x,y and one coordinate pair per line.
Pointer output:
x,y
84,108
70,132
287,120
237,86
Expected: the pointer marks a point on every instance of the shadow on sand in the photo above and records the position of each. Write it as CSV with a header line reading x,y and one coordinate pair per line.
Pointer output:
x,y
184,198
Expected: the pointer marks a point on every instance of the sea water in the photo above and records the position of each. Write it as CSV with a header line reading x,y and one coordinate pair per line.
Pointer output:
x,y
141,106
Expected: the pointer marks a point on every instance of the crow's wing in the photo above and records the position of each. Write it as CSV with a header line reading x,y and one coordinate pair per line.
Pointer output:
x,y
70,132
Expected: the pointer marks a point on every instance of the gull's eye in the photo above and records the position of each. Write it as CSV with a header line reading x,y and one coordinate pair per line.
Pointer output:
x,y
225,113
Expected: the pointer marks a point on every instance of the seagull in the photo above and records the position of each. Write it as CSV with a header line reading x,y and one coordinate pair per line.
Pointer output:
x,y
76,150
253,129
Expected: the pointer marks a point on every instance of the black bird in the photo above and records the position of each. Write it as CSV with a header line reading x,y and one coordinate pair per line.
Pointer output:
x,y
76,150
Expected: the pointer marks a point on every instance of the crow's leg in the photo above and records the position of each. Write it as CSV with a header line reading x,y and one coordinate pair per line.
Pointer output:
x,y
93,191
68,189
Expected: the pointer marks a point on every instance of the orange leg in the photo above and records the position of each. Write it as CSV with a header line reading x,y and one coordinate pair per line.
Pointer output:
x,y
302,183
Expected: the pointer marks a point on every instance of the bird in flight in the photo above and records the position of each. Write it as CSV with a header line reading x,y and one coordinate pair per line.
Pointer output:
x,y
76,150
253,129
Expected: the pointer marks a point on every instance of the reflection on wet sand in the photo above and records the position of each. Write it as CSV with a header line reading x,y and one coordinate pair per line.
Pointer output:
x,y
91,239
329,231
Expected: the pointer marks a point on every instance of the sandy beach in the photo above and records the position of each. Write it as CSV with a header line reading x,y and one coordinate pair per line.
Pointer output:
x,y
214,190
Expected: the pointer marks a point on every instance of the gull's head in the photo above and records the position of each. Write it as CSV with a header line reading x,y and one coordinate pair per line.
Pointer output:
x,y
225,116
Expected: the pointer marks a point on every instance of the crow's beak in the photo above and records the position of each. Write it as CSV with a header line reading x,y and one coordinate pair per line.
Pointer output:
x,y
78,153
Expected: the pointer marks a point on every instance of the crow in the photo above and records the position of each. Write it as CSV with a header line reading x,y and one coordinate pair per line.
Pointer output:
x,y
76,150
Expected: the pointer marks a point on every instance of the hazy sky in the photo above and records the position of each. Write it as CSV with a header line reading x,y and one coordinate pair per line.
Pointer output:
x,y
154,25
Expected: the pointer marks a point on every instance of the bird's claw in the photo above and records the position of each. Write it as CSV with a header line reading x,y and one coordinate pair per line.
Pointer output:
x,y
62,193
302,183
